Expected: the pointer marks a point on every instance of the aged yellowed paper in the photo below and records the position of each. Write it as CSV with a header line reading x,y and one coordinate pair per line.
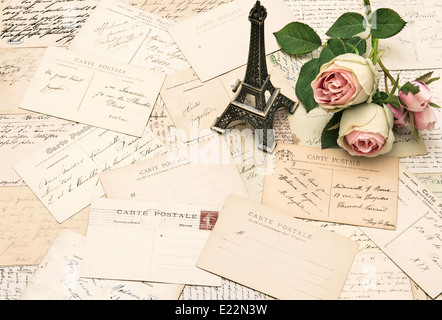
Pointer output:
x,y
271,252
331,185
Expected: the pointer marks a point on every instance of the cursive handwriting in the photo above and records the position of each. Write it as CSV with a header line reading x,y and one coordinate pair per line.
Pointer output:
x,y
57,20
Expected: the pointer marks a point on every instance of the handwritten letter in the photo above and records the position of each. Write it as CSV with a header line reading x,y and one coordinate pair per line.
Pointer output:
x,y
13,279
373,276
92,90
17,68
27,228
22,134
64,173
192,104
126,34
177,11
330,185
415,246
36,23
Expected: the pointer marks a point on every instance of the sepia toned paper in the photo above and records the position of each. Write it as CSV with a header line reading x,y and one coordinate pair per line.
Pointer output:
x,y
177,11
192,104
149,241
17,68
63,174
36,23
13,280
92,90
415,245
127,34
20,135
202,173
273,253
331,185
217,41
57,277
418,45
373,276
27,228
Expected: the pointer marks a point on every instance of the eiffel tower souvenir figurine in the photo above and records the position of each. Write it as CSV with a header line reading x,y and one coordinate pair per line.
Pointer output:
x,y
256,100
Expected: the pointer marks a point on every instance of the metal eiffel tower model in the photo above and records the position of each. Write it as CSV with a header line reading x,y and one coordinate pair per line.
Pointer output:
x,y
256,100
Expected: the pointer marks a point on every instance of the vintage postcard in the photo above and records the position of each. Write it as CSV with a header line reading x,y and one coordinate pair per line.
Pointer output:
x,y
93,90
127,34
27,228
192,104
415,245
149,241
418,45
187,175
217,41
36,23
331,185
433,181
64,173
21,134
57,277
271,252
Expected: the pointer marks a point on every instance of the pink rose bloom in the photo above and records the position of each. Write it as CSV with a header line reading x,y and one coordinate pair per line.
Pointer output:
x,y
366,130
419,101
425,120
364,143
347,80
400,116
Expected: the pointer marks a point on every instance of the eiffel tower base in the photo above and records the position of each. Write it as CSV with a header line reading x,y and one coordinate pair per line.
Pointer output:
x,y
262,122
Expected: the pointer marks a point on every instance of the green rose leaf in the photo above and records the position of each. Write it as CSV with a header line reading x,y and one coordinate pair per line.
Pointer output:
x,y
358,43
334,48
409,87
303,88
347,25
394,101
330,133
380,97
425,77
432,80
298,38
386,23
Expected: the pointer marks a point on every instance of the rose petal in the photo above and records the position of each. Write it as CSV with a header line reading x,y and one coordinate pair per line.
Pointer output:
x,y
334,87
364,143
425,120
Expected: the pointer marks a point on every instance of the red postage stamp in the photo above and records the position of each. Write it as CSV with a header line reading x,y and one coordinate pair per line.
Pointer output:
x,y
208,219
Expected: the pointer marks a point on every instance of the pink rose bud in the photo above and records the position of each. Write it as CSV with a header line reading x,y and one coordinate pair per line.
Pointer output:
x,y
425,120
419,101
400,116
